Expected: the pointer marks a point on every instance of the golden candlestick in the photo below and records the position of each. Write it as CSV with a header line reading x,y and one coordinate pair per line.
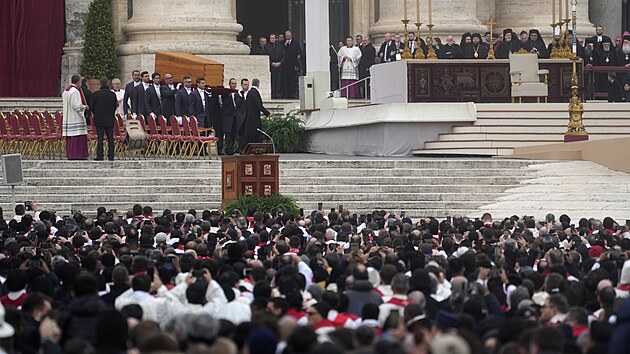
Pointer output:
x,y
568,52
491,23
406,52
575,129
419,52
431,53
555,45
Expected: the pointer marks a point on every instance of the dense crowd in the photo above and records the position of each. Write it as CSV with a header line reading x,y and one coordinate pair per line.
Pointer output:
x,y
327,282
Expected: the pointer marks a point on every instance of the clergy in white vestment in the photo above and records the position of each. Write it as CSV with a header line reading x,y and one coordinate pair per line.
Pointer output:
x,y
74,126
349,58
120,96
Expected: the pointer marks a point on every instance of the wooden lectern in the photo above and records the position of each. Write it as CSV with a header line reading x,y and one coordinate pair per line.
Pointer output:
x,y
248,175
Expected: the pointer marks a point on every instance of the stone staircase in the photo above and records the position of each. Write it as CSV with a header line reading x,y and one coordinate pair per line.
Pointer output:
x,y
420,187
502,127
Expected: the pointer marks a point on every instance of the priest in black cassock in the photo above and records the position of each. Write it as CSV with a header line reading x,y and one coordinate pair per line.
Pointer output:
x,y
623,58
605,56
477,50
449,50
505,46
522,42
589,53
538,44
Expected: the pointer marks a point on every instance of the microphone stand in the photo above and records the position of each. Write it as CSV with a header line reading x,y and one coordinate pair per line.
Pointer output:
x,y
270,138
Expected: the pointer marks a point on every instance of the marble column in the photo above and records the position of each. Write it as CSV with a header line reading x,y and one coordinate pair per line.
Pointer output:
x,y
361,16
76,14
449,17
608,14
524,15
193,26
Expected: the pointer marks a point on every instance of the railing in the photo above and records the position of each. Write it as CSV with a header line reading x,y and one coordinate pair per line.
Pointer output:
x,y
591,85
365,85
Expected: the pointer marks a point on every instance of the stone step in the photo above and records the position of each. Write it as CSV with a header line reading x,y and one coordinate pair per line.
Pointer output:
x,y
337,196
332,181
521,136
284,164
463,151
288,189
474,144
289,172
537,121
527,129
551,114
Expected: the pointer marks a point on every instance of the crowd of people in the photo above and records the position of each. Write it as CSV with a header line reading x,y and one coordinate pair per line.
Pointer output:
x,y
233,113
326,282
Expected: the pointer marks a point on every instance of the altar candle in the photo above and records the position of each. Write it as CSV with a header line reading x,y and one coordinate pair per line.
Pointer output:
x,y
553,11
560,10
566,5
430,13
418,11
405,7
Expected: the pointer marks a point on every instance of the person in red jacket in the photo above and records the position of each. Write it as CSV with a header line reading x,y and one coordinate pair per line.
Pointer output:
x,y
16,283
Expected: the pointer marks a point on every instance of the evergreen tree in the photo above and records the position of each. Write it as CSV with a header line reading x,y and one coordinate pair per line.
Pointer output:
x,y
99,47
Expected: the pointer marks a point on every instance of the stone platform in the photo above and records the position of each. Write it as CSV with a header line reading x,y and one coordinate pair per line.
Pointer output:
x,y
418,186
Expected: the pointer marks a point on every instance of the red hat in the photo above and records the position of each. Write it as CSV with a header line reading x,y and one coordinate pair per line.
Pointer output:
x,y
595,251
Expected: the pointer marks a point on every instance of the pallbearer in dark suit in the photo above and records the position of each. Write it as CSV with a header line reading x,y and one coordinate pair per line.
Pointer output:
x,y
103,106
202,104
231,103
129,90
241,113
138,106
183,100
153,97
254,106
168,91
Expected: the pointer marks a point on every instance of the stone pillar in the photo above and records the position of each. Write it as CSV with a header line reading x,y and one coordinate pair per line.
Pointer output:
x,y
608,14
192,26
449,17
76,14
521,15
317,37
361,15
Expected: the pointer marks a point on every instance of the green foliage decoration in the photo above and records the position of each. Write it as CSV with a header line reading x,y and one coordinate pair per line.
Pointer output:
x,y
288,131
271,204
99,47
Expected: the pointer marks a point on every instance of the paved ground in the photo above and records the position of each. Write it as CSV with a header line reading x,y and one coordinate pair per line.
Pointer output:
x,y
576,188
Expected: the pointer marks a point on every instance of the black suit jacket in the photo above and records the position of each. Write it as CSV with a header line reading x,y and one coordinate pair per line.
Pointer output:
x,y
291,59
202,114
129,94
168,100
368,57
137,101
183,103
389,54
615,91
254,106
103,106
152,102
230,107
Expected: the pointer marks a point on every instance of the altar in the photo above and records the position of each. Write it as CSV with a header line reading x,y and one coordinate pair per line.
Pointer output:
x,y
460,80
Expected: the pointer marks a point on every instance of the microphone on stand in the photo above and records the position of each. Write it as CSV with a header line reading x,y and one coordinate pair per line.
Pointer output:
x,y
270,138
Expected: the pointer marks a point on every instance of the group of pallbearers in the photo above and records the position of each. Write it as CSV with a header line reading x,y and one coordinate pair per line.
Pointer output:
x,y
233,113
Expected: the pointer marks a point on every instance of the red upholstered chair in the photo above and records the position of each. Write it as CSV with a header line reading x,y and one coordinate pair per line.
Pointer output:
x,y
53,130
203,141
42,139
29,140
188,138
16,138
5,137
176,138
152,134
164,142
